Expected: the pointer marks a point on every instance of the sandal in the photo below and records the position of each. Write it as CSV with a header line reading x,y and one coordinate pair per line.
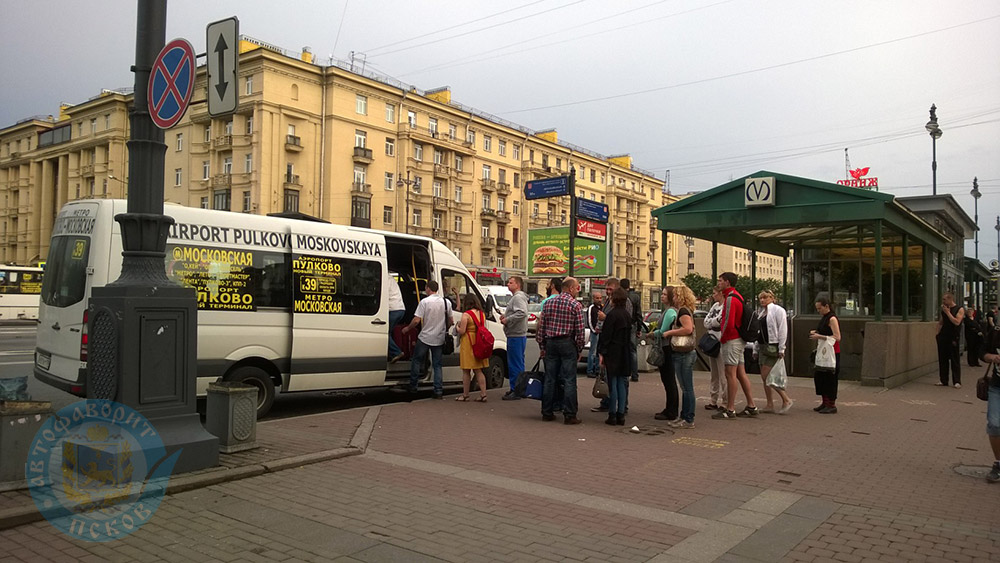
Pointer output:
x,y
481,399
462,398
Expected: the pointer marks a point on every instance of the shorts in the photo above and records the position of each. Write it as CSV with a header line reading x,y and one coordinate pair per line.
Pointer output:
x,y
768,355
993,412
732,352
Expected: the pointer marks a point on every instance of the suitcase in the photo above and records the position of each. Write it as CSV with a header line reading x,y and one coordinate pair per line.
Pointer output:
x,y
406,342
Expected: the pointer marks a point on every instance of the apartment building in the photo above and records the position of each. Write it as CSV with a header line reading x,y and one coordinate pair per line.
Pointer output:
x,y
341,143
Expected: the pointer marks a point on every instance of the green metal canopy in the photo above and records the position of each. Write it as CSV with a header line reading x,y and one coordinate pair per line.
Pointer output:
x,y
806,213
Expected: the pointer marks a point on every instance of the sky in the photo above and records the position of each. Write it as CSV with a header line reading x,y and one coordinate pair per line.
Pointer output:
x,y
709,90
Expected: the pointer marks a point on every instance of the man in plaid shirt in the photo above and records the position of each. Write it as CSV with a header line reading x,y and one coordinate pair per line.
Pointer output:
x,y
560,338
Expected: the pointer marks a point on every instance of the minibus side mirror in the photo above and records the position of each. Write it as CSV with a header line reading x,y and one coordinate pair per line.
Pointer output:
x,y
491,306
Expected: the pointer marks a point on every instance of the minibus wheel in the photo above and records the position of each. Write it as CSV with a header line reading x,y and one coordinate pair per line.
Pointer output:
x,y
496,372
256,377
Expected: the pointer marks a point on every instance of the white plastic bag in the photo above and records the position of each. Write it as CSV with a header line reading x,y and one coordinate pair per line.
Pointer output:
x,y
778,377
825,356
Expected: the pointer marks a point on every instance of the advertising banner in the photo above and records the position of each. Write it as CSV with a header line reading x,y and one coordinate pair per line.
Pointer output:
x,y
548,254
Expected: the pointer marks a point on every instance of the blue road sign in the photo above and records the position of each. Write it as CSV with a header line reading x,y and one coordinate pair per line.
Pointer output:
x,y
586,209
549,187
171,83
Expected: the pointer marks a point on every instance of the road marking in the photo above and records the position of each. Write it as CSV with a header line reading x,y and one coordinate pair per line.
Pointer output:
x,y
17,353
16,363
700,442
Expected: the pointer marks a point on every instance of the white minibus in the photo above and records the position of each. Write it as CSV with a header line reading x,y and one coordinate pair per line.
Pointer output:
x,y
19,289
284,304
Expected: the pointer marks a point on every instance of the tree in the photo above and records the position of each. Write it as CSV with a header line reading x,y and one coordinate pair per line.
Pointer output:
x,y
700,285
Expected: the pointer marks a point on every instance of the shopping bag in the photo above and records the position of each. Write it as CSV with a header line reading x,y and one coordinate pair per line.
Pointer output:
x,y
778,377
826,359
601,385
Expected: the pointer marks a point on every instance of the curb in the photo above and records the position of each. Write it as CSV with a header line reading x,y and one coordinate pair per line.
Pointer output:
x,y
19,516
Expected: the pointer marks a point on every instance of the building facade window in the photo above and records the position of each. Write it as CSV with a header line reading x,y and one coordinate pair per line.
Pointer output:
x,y
248,163
487,200
361,104
208,133
487,143
206,170
458,223
360,138
178,176
487,170
246,201
436,221
221,200
390,146
417,217
360,174
452,131
470,137
180,142
418,151
438,157
387,215
291,201
436,189
458,163
204,202
458,194
390,113
432,126
93,126
516,208
517,151
389,181
249,85
227,165
229,127
502,148
249,125
411,119
361,210
501,203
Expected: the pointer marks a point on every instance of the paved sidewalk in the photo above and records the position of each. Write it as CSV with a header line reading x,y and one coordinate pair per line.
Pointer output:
x,y
896,475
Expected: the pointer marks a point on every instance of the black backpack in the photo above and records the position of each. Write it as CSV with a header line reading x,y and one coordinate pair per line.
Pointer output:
x,y
749,326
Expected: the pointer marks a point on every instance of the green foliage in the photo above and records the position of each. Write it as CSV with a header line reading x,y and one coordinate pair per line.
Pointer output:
x,y
700,285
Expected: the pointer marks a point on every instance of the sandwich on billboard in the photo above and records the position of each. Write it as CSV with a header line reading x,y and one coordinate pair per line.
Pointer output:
x,y
548,254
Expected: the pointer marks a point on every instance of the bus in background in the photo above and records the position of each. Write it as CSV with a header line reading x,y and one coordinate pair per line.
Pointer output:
x,y
284,304
20,287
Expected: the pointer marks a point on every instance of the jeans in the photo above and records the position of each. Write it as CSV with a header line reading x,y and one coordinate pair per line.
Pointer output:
x,y
948,356
593,360
560,365
394,318
618,395
669,380
515,357
993,412
417,363
633,358
684,369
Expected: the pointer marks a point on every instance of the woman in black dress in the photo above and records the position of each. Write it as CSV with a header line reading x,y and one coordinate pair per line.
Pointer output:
x,y
826,380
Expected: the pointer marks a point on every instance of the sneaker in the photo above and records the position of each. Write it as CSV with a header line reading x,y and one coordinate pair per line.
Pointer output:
x,y
724,414
509,396
828,410
994,475
958,386
750,412
635,378
785,408
675,423
939,384
599,409
685,425
711,407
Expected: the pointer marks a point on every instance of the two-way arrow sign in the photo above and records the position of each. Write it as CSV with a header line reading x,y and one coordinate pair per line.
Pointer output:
x,y
222,66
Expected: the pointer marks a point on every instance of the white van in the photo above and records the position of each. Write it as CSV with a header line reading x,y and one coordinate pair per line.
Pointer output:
x,y
501,297
283,304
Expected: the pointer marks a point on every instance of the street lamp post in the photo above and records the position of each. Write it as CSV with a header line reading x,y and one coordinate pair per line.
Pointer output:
x,y
976,194
998,237
399,184
935,132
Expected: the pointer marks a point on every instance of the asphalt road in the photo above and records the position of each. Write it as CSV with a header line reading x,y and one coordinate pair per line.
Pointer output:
x,y
17,343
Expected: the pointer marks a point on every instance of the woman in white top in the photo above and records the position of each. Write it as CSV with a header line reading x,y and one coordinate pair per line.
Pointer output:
x,y
713,324
770,347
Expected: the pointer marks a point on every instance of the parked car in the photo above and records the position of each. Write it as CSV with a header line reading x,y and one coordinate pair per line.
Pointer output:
x,y
652,318
534,313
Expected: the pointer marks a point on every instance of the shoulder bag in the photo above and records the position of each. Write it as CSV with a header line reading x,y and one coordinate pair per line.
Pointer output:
x,y
709,345
682,343
655,356
601,385
983,385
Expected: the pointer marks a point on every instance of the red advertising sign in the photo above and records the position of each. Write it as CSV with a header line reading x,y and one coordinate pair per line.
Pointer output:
x,y
591,230
859,180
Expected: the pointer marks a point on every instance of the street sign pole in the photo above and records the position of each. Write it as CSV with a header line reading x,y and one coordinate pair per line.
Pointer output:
x,y
143,327
572,220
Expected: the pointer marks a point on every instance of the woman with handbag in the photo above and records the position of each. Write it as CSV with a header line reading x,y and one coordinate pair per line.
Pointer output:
x,y
614,346
467,360
682,343
824,379
713,327
770,347
667,376
991,355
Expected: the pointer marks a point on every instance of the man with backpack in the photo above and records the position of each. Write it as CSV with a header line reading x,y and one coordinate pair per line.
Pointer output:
x,y
739,325
636,302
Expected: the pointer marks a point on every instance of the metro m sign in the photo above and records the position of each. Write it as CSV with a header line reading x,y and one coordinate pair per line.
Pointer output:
x,y
759,192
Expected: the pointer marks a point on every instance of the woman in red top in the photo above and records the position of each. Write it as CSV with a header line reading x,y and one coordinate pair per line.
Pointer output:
x,y
825,380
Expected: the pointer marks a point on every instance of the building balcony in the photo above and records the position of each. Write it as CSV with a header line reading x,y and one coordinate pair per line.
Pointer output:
x,y
654,243
621,214
487,243
441,235
461,237
461,205
442,171
631,260
23,209
537,169
362,155
653,264
440,204
365,222
87,170
503,188
417,164
488,214
503,217
361,189
631,238
503,244
488,185
223,142
223,180
292,180
293,143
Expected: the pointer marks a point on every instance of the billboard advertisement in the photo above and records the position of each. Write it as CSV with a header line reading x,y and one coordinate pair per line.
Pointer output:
x,y
548,254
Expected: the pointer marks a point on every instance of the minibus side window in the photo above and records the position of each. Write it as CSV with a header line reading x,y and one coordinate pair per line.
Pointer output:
x,y
65,280
458,283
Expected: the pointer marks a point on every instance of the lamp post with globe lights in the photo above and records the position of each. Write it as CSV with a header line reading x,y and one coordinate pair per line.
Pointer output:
x,y
935,132
976,194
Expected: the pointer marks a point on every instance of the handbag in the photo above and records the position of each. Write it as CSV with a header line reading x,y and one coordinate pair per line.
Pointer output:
x,y
601,385
709,345
983,385
682,343
655,356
